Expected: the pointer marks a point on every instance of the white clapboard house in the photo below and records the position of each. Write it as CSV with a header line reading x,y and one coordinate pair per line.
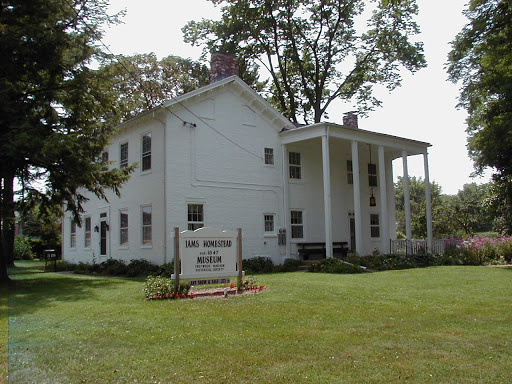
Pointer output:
x,y
221,156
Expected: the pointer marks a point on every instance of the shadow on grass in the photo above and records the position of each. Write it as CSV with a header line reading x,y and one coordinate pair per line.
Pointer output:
x,y
30,291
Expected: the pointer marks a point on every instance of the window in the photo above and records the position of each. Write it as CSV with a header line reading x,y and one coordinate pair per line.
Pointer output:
x,y
374,225
104,157
123,159
269,156
123,227
146,152
195,216
294,164
146,225
87,237
72,243
269,223
372,175
350,172
297,224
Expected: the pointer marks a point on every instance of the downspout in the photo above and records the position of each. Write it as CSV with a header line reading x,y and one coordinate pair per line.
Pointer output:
x,y
286,204
164,124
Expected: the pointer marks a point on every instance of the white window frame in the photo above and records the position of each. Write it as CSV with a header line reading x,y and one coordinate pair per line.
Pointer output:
x,y
124,230
72,234
296,166
269,218
296,225
87,232
374,225
268,155
123,162
146,242
194,217
145,154
372,176
350,173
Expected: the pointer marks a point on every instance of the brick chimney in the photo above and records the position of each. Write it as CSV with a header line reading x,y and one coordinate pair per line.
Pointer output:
x,y
223,65
350,120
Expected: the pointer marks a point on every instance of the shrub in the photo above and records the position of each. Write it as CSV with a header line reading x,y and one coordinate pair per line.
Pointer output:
x,y
23,248
289,265
332,265
166,270
113,267
140,267
259,264
61,266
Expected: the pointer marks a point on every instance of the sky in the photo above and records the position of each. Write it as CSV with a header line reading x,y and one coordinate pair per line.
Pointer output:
x,y
423,108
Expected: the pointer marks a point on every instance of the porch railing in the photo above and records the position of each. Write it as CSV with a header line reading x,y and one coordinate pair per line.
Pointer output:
x,y
415,247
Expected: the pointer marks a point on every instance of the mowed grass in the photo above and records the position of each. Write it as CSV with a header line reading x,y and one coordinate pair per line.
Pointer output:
x,y
4,313
432,325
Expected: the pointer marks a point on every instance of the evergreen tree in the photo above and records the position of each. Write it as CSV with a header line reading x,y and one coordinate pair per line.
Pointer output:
x,y
53,114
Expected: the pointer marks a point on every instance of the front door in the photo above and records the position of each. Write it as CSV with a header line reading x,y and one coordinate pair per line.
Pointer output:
x,y
103,237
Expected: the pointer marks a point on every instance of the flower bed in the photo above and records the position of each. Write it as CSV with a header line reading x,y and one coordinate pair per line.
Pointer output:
x,y
161,288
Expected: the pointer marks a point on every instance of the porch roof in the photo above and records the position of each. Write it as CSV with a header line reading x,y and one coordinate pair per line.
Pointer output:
x,y
393,145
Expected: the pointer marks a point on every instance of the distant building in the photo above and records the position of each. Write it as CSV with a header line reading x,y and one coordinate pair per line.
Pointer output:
x,y
221,156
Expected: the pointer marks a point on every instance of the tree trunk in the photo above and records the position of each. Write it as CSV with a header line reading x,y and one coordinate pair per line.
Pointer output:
x,y
8,218
3,261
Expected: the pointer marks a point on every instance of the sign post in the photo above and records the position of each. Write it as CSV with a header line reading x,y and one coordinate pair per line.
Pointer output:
x,y
176,259
239,259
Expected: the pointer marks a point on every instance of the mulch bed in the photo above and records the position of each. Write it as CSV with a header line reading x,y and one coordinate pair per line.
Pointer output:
x,y
218,293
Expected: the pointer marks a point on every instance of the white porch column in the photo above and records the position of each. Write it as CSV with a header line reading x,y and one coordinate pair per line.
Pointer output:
x,y
357,198
407,198
428,200
327,193
286,204
383,202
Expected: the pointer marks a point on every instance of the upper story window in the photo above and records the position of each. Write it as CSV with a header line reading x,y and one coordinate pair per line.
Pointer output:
x,y
146,152
104,157
147,235
87,237
72,239
123,158
195,216
294,164
269,156
350,172
372,175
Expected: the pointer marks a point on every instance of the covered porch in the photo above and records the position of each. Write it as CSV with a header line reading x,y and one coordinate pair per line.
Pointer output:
x,y
346,184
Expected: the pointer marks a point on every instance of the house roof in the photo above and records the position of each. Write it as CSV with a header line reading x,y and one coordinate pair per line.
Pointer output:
x,y
392,143
256,101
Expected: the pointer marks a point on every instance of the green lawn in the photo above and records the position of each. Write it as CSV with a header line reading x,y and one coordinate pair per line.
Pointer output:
x,y
432,325
3,332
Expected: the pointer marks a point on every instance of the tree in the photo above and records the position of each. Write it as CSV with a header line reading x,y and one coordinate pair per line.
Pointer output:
x,y
53,114
481,60
468,210
313,50
418,206
141,82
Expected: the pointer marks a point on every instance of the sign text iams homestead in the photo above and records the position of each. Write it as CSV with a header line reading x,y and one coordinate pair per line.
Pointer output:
x,y
208,252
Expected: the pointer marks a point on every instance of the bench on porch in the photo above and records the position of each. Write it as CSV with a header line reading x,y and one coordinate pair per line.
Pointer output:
x,y
306,250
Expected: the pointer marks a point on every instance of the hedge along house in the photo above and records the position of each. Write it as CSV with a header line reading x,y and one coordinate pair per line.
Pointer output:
x,y
221,156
